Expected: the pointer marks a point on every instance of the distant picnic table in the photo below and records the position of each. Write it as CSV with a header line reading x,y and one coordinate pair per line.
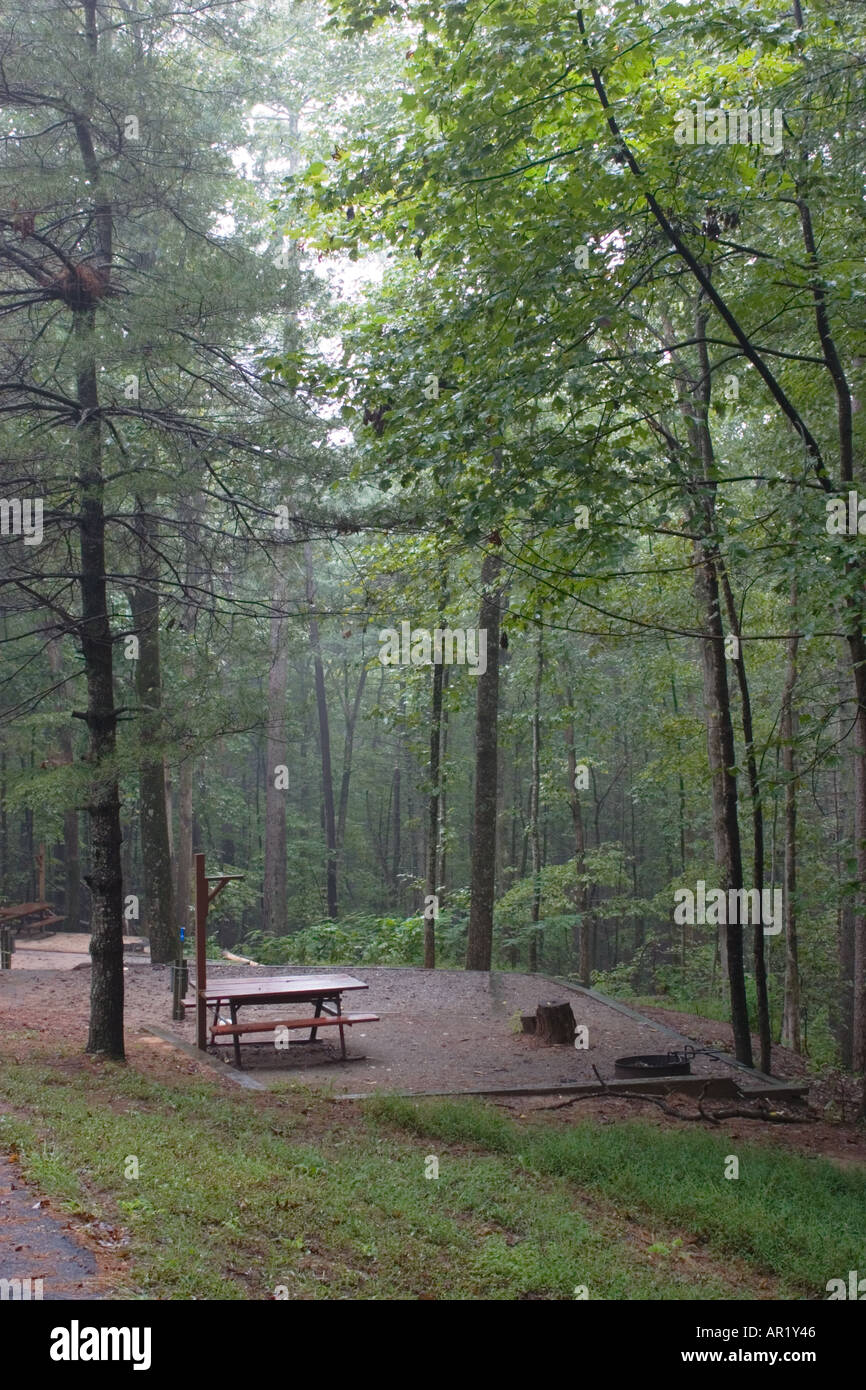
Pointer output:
x,y
324,991
28,917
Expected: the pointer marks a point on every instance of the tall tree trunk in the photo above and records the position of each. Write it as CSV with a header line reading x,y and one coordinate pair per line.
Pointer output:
x,y
845,949
857,647
397,850
185,848
324,738
583,931
681,800
432,879
844,1010
159,914
759,955
274,888
443,797
348,746
722,758
694,397
190,511
791,1004
169,818
105,879
71,849
534,805
479,944
5,865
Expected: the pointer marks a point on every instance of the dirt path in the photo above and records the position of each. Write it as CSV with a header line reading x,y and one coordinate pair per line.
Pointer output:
x,y
65,951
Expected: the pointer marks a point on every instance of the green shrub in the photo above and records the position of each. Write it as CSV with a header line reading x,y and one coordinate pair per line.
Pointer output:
x,y
359,939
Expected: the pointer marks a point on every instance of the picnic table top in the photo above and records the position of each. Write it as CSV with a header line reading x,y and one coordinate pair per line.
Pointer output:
x,y
13,911
281,987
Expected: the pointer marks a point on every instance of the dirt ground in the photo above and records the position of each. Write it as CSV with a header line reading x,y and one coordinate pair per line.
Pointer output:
x,y
439,1031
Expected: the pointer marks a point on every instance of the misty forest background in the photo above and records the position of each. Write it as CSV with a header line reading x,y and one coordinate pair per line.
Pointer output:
x,y
237,244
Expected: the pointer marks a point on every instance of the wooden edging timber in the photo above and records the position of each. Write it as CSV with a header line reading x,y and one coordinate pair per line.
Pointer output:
x,y
715,1087
240,1078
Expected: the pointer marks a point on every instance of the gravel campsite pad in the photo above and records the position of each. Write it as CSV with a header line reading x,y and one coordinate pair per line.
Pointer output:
x,y
443,1030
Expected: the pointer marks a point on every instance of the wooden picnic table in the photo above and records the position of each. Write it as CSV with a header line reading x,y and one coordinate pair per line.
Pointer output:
x,y
28,916
324,991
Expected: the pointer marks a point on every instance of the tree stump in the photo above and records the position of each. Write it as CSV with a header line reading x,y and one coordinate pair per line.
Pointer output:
x,y
555,1023
528,1022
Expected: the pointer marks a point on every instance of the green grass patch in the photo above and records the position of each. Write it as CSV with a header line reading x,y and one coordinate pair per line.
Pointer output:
x,y
802,1219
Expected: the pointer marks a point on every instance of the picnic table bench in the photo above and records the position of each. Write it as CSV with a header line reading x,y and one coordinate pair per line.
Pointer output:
x,y
28,917
323,991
